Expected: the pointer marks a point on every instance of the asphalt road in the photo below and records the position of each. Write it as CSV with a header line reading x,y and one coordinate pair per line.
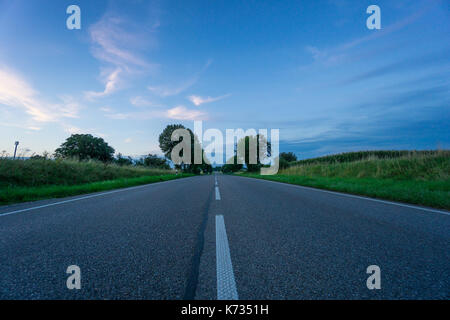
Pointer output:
x,y
261,240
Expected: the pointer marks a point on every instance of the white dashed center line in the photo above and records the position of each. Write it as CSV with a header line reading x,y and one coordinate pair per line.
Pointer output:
x,y
217,193
226,284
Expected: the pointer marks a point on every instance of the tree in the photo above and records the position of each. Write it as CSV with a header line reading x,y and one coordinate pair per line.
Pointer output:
x,y
153,161
165,142
288,156
231,165
167,145
265,147
85,147
122,161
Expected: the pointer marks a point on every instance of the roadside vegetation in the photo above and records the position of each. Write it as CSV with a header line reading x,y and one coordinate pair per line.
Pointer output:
x,y
84,164
35,179
10,195
418,177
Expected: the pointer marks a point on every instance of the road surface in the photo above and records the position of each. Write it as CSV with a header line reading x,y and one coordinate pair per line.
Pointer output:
x,y
223,237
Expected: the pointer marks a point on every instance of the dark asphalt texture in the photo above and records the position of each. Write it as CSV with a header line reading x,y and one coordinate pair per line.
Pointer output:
x,y
286,242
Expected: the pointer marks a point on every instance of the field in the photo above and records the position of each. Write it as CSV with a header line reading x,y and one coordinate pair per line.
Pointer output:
x,y
28,180
414,177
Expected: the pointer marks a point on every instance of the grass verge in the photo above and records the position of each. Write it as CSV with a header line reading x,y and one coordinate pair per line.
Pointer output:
x,y
11,195
428,193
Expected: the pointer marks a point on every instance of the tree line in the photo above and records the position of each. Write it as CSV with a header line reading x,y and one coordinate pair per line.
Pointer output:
x,y
84,147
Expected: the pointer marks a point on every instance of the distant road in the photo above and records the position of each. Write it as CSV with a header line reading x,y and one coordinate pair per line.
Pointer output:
x,y
225,237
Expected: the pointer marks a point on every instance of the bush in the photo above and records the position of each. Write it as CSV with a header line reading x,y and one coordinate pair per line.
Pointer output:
x,y
34,173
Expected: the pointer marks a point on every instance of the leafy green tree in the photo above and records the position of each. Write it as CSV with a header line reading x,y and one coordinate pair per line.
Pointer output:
x,y
85,147
165,142
153,161
167,145
122,161
283,164
255,140
288,156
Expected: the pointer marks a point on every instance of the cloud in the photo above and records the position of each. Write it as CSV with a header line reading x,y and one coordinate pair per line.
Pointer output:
x,y
437,58
17,92
176,113
182,113
70,129
113,43
342,53
128,140
166,91
197,100
106,109
139,101
111,85
316,53
117,42
73,130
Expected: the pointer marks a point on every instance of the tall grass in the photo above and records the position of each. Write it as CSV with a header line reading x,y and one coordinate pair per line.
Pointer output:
x,y
434,166
365,155
413,177
36,173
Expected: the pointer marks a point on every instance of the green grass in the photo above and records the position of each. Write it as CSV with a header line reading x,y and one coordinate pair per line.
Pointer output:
x,y
10,195
364,155
30,180
37,173
417,178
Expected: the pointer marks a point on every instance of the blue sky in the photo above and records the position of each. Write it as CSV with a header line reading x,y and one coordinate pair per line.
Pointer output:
x,y
309,68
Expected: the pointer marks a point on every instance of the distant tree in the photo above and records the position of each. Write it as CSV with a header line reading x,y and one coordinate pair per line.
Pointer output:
x,y
85,147
153,161
283,164
288,156
231,165
45,156
122,161
264,146
166,144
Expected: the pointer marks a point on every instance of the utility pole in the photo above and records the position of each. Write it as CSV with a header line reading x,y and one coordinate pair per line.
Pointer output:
x,y
15,149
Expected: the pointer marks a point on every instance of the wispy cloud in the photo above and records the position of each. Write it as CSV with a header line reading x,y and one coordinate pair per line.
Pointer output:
x,y
182,113
16,92
439,58
71,129
139,101
166,91
342,52
116,41
198,100
111,85
176,113
106,109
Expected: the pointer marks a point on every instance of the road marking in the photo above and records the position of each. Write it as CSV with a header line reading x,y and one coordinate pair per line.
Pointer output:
x,y
226,284
357,197
217,193
85,197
